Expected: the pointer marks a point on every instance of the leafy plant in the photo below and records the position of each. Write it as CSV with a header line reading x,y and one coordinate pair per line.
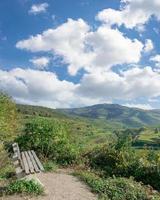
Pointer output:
x,y
24,187
50,166
8,118
123,161
50,139
8,130
116,188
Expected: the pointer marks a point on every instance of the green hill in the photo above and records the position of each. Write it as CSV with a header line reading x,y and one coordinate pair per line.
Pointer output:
x,y
114,113
94,124
103,115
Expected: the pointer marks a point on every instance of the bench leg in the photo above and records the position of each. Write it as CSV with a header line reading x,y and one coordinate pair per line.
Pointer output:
x,y
19,171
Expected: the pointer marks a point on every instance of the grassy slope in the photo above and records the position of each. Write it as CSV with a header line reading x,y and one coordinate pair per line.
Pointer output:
x,y
107,116
87,131
116,114
90,131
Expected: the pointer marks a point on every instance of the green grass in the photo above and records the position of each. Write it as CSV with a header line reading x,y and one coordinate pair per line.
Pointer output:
x,y
50,166
116,188
23,187
149,136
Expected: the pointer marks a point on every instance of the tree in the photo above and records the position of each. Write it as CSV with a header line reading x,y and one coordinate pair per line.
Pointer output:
x,y
8,118
8,128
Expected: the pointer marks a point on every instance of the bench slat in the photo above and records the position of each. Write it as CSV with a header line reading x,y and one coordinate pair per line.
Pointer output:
x,y
26,167
37,160
16,150
30,165
27,161
33,162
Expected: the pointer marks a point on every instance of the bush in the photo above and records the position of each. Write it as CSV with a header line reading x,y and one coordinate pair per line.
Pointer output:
x,y
24,187
8,118
115,188
125,162
50,139
6,167
50,166
8,130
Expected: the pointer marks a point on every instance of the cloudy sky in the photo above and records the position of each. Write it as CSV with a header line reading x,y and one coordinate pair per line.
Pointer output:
x,y
59,53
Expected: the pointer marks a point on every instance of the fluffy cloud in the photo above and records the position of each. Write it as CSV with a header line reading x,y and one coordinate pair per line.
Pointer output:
x,y
111,47
132,13
70,45
38,8
79,47
37,87
130,84
148,46
94,50
156,58
44,88
41,62
141,106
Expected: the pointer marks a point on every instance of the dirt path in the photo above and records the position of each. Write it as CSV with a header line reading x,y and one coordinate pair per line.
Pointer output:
x,y
61,186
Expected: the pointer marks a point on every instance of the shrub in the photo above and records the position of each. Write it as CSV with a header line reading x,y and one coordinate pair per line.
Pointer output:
x,y
8,129
50,166
24,187
8,118
50,139
125,162
115,188
6,167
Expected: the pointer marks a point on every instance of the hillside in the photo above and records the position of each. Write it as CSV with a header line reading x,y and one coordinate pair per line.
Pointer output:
x,y
114,113
110,115
39,111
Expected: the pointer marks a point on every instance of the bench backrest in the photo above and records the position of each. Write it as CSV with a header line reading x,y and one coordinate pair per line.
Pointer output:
x,y
16,150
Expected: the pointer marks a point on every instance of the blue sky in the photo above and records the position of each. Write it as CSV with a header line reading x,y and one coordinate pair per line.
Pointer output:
x,y
59,54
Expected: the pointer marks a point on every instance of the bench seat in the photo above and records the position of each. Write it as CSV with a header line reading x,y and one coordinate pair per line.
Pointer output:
x,y
28,162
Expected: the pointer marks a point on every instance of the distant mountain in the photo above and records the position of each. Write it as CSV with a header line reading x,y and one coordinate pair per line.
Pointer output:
x,y
114,113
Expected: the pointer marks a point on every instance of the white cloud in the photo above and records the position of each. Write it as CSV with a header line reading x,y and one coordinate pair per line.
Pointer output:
x,y
38,8
133,13
131,84
41,62
141,106
148,46
111,47
156,58
79,47
44,88
37,87
41,88
70,45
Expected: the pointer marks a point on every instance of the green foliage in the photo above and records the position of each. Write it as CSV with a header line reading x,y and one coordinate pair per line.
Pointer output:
x,y
116,188
50,166
124,161
29,110
50,139
8,118
8,130
149,137
24,187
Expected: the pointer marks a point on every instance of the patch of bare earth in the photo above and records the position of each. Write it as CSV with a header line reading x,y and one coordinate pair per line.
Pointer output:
x,y
60,186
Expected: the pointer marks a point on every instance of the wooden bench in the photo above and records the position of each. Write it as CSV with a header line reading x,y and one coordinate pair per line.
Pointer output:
x,y
26,162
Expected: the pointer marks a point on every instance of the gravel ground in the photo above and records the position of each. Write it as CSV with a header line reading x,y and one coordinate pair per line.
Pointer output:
x,y
60,186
